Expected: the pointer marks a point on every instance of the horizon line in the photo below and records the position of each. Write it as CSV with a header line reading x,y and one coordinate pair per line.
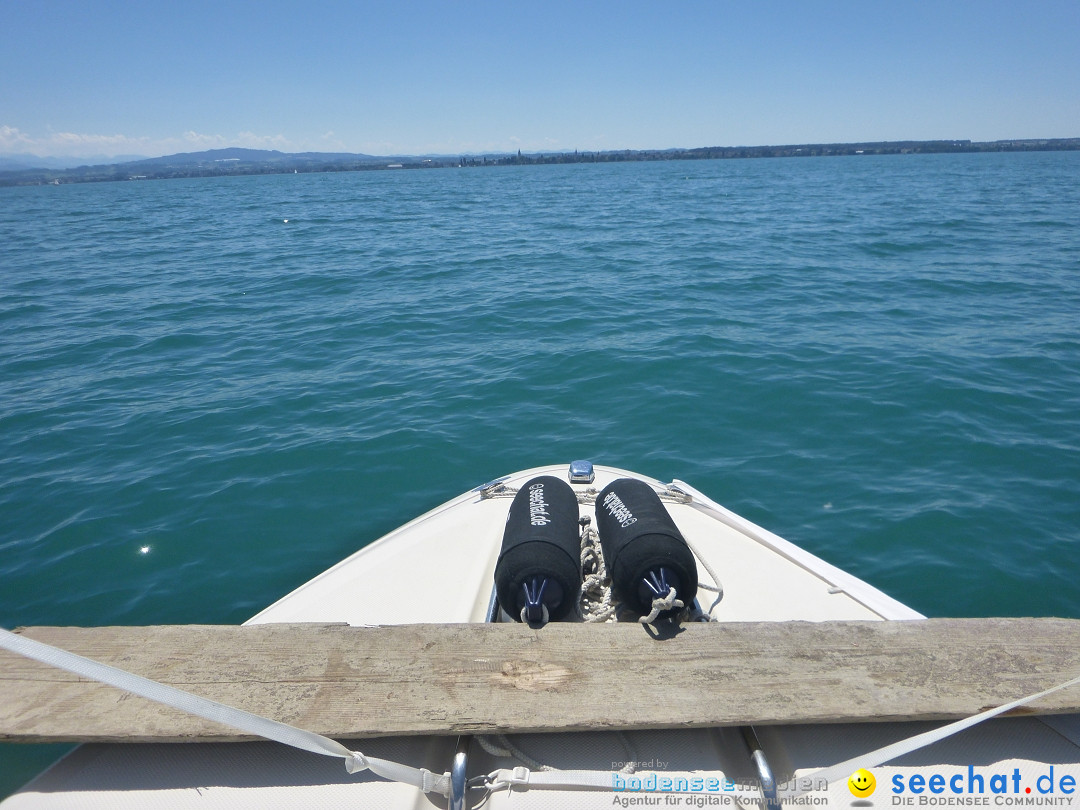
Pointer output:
x,y
127,158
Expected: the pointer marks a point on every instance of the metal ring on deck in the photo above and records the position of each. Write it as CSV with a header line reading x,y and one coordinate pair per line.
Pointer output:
x,y
458,777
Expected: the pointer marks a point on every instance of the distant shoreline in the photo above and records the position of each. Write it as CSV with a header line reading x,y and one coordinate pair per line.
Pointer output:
x,y
236,162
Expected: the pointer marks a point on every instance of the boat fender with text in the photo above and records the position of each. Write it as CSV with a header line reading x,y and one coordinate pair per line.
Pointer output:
x,y
644,551
539,567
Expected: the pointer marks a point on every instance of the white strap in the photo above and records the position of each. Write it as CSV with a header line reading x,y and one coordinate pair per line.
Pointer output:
x,y
524,778
211,710
889,752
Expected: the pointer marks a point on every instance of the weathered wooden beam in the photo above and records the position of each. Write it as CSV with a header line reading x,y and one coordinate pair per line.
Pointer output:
x,y
355,682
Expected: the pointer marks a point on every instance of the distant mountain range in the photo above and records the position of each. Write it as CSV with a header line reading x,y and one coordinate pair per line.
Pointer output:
x,y
248,156
20,162
31,170
21,169
13,162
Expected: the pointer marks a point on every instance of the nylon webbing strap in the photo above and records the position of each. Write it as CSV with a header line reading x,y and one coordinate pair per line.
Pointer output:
x,y
524,778
889,752
218,712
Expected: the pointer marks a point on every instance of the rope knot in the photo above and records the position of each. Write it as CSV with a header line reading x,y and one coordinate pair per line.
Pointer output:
x,y
543,608
660,604
356,762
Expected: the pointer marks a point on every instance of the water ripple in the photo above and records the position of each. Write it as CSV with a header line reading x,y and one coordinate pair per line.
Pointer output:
x,y
878,358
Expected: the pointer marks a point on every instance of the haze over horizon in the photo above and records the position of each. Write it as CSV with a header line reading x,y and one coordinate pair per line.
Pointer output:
x,y
119,79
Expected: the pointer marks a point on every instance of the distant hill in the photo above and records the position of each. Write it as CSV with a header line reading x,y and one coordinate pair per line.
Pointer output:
x,y
209,156
247,156
209,163
10,162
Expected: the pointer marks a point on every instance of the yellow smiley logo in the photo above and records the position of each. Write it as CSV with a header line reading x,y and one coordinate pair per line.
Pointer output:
x,y
861,783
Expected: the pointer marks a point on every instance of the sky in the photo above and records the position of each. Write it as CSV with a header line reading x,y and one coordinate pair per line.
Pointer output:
x,y
94,78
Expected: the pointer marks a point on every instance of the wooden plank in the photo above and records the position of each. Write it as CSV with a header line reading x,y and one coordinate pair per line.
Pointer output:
x,y
356,682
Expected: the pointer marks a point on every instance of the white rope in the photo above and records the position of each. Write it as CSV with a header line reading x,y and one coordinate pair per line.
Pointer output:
x,y
679,496
266,728
488,745
595,603
520,755
544,615
500,745
632,756
503,746
716,586
662,603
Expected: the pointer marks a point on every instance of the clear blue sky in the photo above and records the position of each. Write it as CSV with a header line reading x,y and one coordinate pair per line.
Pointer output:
x,y
412,77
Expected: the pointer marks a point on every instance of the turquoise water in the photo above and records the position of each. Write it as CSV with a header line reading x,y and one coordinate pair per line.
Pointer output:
x,y
203,405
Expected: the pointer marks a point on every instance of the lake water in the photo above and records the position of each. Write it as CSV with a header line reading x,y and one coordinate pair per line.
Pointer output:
x,y
202,405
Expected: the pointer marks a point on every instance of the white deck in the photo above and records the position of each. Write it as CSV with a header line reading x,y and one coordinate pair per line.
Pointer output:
x,y
764,578
449,556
